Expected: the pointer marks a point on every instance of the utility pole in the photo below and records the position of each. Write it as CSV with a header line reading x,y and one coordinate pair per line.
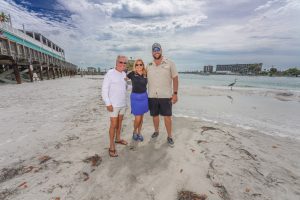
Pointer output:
x,y
10,20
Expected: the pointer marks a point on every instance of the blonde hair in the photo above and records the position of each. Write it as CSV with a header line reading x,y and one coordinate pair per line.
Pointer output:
x,y
144,68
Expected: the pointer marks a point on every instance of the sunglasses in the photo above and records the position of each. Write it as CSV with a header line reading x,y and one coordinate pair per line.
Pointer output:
x,y
122,62
139,65
156,49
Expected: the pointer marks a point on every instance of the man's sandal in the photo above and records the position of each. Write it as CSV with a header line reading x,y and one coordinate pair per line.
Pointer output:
x,y
112,153
121,142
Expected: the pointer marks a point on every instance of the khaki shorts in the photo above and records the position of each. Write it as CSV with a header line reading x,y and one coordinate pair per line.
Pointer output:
x,y
117,111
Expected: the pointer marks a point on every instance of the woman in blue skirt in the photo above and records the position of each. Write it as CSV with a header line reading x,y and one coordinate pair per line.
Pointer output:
x,y
138,97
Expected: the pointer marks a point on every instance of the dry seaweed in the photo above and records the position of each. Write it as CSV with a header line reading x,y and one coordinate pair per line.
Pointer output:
x,y
188,195
94,160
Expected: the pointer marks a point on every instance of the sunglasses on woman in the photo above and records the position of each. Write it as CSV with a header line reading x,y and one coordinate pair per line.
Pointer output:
x,y
139,65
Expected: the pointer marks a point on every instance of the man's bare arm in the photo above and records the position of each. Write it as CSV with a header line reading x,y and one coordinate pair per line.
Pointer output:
x,y
175,89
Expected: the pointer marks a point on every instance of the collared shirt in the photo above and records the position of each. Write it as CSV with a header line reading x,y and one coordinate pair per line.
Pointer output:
x,y
160,78
114,88
139,82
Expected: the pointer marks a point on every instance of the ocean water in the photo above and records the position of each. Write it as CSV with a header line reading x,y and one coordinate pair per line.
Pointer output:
x,y
268,104
265,82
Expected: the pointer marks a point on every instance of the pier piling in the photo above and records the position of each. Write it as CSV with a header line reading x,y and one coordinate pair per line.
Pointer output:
x,y
30,72
17,73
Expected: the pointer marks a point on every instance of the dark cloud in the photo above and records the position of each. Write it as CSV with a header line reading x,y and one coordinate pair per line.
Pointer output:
x,y
143,10
272,37
220,12
226,30
73,36
119,48
124,12
104,36
54,32
256,51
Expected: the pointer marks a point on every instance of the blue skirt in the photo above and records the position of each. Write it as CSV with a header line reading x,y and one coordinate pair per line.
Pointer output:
x,y
139,103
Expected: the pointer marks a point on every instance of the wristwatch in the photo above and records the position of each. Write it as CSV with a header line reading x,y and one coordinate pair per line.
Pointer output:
x,y
175,93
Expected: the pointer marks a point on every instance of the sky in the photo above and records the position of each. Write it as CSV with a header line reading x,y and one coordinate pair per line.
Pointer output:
x,y
193,33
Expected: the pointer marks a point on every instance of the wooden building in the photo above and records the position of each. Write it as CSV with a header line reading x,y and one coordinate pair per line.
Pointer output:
x,y
23,53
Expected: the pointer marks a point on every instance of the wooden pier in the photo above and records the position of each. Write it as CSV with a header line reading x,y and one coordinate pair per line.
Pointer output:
x,y
24,54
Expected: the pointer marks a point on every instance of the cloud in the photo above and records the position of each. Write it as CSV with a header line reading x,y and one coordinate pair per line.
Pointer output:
x,y
126,48
173,24
266,5
150,9
192,32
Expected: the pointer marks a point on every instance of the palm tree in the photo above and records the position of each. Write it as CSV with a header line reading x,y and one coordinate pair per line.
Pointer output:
x,y
3,17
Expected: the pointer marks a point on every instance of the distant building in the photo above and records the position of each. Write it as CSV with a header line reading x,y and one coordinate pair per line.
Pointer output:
x,y
240,68
91,70
130,63
208,69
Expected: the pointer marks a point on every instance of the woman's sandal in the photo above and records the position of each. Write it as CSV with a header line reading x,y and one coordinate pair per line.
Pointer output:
x,y
112,153
121,142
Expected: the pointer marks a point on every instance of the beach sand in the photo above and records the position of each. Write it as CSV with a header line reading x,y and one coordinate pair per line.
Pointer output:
x,y
54,145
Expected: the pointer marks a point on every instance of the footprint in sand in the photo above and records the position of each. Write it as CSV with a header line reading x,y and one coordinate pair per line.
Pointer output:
x,y
133,145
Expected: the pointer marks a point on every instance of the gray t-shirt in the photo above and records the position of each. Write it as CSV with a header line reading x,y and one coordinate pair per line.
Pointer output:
x,y
160,79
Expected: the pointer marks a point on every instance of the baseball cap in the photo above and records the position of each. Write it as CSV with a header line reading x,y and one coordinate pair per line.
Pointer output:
x,y
156,46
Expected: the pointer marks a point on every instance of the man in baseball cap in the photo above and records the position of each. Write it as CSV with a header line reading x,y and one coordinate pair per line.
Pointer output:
x,y
156,46
162,90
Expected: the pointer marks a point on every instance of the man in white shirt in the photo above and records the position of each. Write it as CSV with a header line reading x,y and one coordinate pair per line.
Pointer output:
x,y
114,95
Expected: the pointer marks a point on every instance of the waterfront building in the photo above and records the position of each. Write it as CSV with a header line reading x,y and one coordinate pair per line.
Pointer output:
x,y
92,69
24,52
239,68
208,69
45,41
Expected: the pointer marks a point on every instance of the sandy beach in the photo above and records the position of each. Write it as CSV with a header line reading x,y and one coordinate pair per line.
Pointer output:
x,y
54,145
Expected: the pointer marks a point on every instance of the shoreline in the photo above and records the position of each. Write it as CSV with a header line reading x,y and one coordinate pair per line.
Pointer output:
x,y
238,74
66,127
243,81
239,126
272,111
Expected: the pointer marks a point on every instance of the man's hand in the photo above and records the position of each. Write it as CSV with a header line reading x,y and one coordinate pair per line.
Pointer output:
x,y
174,98
110,108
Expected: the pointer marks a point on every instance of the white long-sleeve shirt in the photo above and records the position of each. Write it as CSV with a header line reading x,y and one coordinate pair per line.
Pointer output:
x,y
114,88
